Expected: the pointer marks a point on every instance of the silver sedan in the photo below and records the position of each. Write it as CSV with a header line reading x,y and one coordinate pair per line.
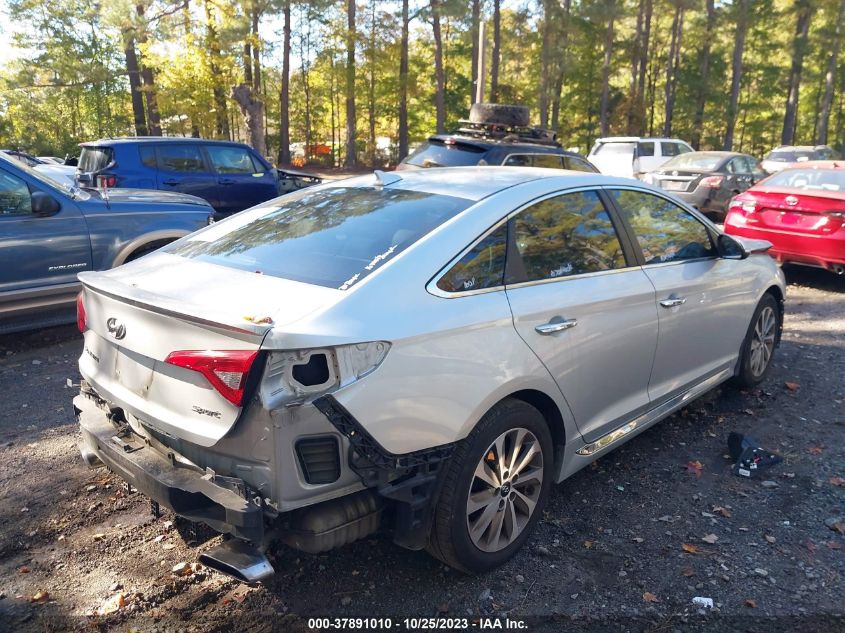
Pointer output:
x,y
425,353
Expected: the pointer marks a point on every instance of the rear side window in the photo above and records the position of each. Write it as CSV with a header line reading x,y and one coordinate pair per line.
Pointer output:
x,y
669,149
184,158
566,235
665,232
646,148
232,160
93,159
332,237
552,161
579,164
482,267
438,154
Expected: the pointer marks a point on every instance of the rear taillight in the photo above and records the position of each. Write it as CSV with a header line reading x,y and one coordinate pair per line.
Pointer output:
x,y
227,371
81,319
105,181
712,182
745,206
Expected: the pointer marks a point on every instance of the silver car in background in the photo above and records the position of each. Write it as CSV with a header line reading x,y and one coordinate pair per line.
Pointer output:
x,y
424,354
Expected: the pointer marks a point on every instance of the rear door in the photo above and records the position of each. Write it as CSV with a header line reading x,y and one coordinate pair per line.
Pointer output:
x,y
182,167
583,307
242,180
703,301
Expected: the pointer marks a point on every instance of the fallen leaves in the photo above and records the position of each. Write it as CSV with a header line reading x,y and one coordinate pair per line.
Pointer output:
x,y
721,511
99,536
694,467
112,605
751,604
40,596
833,545
837,481
792,386
815,450
589,544
838,526
690,548
23,569
650,597
687,572
769,538
710,538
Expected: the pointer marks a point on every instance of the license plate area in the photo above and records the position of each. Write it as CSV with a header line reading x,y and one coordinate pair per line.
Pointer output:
x,y
133,371
674,185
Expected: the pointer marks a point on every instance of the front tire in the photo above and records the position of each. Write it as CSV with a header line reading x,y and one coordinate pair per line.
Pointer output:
x,y
495,489
758,348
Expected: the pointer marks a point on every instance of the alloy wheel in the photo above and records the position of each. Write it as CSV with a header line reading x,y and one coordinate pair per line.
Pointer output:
x,y
763,341
505,489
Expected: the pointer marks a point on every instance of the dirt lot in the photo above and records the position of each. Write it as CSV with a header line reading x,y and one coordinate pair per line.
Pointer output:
x,y
625,545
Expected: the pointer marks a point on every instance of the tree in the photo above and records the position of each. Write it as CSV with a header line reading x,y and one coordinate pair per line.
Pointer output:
x,y
829,78
672,63
804,12
497,51
350,83
403,84
604,108
704,75
284,92
439,73
742,16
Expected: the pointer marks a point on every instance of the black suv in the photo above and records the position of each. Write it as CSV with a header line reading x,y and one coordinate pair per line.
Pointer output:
x,y
495,135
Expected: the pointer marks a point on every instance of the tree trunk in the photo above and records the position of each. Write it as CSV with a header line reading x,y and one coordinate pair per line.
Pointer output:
x,y
545,62
350,83
704,75
371,88
153,117
799,47
604,109
736,71
440,76
672,63
256,51
643,68
561,67
636,51
252,109
474,28
284,93
497,51
212,40
403,86
138,116
829,78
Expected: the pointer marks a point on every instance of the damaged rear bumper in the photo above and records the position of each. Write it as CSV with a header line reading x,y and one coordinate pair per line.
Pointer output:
x,y
184,489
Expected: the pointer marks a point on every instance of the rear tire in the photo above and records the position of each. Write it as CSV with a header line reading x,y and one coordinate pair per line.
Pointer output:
x,y
758,348
498,113
496,486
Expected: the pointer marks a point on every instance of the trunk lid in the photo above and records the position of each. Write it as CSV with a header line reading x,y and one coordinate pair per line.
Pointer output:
x,y
798,211
141,313
677,180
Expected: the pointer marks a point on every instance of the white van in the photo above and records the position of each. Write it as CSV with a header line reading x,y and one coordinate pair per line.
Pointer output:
x,y
633,156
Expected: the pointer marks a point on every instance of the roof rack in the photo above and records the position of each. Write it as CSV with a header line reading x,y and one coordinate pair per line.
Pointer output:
x,y
507,133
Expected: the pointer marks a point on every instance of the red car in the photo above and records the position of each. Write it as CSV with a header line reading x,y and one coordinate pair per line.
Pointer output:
x,y
800,210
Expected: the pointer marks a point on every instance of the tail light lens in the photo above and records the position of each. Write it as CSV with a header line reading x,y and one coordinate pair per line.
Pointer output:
x,y
81,319
227,371
712,182
106,180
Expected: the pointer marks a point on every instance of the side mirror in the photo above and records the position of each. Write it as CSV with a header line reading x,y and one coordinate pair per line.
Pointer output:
x,y
729,248
43,204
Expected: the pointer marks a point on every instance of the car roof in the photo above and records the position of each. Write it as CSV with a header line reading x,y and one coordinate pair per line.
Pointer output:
x,y
494,142
155,139
634,139
475,183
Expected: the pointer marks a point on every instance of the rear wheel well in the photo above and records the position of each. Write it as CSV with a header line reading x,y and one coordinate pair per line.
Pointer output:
x,y
550,411
777,293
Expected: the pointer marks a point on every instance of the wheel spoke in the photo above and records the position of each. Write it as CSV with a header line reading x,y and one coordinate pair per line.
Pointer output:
x,y
481,524
496,530
516,449
478,500
530,504
486,474
527,458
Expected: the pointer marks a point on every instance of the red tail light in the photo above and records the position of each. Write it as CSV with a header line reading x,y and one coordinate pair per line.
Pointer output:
x,y
105,180
712,182
81,319
227,371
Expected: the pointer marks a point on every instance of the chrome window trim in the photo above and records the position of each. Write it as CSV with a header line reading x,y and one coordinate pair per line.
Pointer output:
x,y
431,286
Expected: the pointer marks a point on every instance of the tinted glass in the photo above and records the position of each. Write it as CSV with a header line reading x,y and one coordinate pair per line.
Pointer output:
x,y
669,149
809,179
431,154
733,166
789,156
645,149
578,164
94,159
518,160
332,237
548,160
698,161
665,231
567,235
683,149
186,158
231,160
14,195
148,155
482,267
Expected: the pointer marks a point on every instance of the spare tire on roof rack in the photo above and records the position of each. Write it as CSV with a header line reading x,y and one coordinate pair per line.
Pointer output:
x,y
499,114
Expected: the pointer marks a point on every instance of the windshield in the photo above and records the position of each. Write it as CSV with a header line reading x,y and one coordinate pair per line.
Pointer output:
x,y
439,154
789,156
615,149
332,237
65,188
694,161
809,179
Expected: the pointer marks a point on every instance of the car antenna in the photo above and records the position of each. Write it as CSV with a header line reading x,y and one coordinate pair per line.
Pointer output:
x,y
383,179
105,196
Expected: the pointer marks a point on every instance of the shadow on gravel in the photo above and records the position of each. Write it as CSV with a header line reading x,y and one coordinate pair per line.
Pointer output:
x,y
814,278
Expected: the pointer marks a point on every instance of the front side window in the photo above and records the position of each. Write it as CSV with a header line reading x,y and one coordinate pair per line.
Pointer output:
x,y
578,164
184,158
551,161
645,148
231,160
330,237
571,234
518,160
669,149
15,198
665,232
482,267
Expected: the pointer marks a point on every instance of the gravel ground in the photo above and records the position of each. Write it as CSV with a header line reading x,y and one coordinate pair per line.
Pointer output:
x,y
624,545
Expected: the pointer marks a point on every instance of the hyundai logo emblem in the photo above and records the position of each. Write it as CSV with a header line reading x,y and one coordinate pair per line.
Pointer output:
x,y
116,328
791,200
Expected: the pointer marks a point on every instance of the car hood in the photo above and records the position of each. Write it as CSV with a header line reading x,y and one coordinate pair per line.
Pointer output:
x,y
146,196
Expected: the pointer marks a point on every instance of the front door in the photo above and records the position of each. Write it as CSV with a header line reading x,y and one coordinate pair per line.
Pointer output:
x,y
586,310
182,168
701,298
242,181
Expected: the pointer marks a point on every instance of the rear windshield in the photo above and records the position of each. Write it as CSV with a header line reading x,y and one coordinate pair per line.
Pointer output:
x,y
615,149
438,154
694,162
809,179
332,237
94,159
789,156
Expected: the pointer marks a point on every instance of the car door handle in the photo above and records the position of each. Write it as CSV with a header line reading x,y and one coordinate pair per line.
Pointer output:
x,y
673,302
556,326
171,181
226,181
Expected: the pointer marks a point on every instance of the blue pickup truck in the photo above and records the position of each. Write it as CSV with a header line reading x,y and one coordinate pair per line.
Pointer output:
x,y
50,231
